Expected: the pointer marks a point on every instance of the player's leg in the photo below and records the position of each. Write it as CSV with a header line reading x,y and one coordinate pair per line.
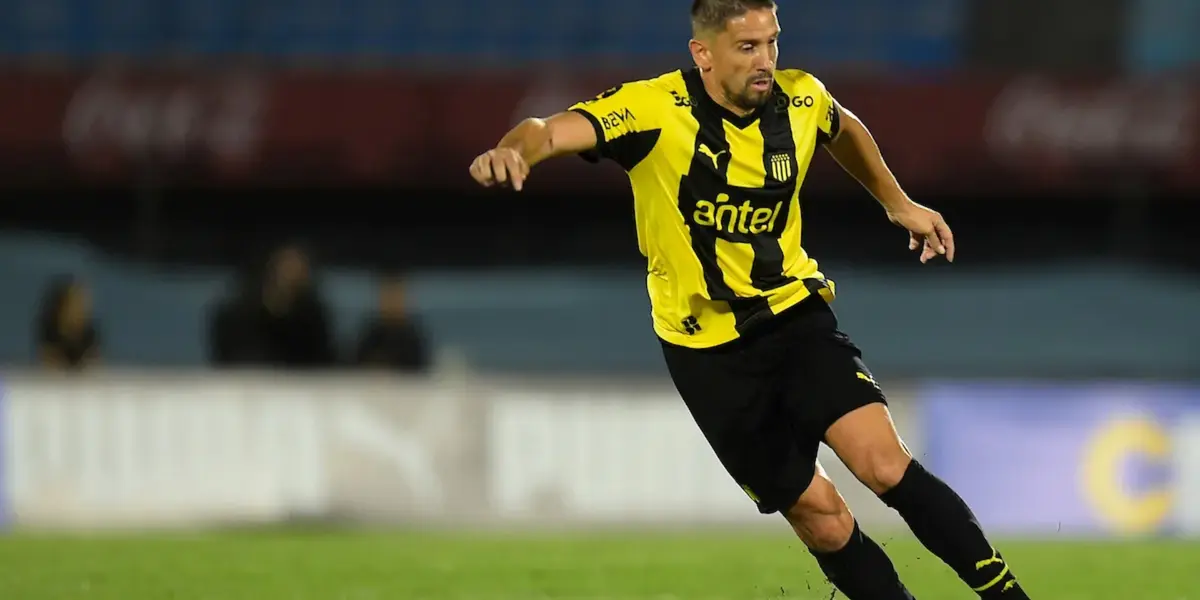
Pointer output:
x,y
852,561
866,441
734,398
861,432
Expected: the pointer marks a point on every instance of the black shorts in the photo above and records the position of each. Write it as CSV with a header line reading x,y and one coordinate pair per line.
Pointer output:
x,y
765,400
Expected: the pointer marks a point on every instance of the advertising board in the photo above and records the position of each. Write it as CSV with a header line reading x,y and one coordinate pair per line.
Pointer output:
x,y
1004,133
179,451
1086,459
128,450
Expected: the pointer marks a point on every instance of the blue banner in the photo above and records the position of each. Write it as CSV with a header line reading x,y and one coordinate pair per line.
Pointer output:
x,y
1087,459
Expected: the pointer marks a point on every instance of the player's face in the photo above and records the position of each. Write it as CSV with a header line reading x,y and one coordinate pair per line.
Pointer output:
x,y
744,56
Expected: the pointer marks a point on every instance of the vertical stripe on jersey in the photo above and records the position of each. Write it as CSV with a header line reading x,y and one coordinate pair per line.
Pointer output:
x,y
800,122
780,162
736,251
710,187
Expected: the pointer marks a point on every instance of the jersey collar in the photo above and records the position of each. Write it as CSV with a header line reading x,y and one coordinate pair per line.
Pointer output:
x,y
695,88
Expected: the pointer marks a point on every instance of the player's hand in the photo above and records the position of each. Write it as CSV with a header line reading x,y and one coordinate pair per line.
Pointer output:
x,y
500,166
927,230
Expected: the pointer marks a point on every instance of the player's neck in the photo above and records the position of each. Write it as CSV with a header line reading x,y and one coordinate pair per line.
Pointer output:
x,y
717,93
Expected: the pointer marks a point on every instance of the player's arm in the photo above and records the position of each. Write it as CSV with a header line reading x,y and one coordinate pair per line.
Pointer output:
x,y
532,141
539,139
853,147
619,124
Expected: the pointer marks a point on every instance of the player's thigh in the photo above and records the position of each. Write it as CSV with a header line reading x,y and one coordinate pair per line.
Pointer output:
x,y
867,443
738,409
844,405
828,381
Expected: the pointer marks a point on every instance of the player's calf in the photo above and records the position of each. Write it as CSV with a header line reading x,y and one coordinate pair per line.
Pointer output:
x,y
820,517
947,527
853,562
867,442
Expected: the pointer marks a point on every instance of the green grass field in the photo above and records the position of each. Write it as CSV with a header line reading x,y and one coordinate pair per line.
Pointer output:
x,y
650,566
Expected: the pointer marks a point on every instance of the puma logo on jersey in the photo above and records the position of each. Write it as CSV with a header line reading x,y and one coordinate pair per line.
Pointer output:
x,y
705,150
867,378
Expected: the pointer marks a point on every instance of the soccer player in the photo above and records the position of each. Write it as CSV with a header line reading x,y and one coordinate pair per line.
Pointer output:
x,y
716,156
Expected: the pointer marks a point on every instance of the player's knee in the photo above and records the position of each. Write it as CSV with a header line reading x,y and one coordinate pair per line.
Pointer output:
x,y
880,464
885,470
821,518
866,441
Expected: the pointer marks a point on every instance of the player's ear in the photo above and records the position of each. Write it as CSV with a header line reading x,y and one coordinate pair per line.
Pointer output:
x,y
700,54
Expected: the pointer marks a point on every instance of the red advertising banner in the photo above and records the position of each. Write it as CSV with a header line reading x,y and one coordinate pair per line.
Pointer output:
x,y
955,134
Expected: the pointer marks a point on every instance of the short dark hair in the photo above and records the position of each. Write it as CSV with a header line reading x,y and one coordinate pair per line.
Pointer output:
x,y
712,15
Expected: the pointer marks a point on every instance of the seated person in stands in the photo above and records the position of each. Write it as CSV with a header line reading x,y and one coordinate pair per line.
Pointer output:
x,y
66,335
392,339
275,318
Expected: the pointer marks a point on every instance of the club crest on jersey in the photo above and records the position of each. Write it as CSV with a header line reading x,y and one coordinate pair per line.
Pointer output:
x,y
781,166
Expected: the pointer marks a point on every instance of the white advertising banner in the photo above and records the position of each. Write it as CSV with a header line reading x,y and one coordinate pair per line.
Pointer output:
x,y
195,450
627,453
616,457
161,451
1187,471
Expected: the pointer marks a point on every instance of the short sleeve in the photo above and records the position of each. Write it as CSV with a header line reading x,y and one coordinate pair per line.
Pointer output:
x,y
627,122
830,122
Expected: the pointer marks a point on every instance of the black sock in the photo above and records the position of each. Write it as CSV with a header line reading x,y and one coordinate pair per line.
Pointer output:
x,y
861,570
945,525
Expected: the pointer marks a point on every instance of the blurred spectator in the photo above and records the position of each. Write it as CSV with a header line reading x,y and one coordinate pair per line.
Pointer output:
x,y
66,332
393,339
274,319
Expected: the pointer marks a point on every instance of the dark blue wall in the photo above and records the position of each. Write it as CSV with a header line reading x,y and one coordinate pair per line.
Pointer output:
x,y
1060,320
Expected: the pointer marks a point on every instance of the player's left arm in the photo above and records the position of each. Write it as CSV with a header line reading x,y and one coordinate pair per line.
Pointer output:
x,y
853,147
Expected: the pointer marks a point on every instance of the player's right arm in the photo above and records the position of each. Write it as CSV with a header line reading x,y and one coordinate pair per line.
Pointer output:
x,y
532,141
620,124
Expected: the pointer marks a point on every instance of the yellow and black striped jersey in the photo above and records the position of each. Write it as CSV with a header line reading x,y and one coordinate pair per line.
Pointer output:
x,y
716,197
